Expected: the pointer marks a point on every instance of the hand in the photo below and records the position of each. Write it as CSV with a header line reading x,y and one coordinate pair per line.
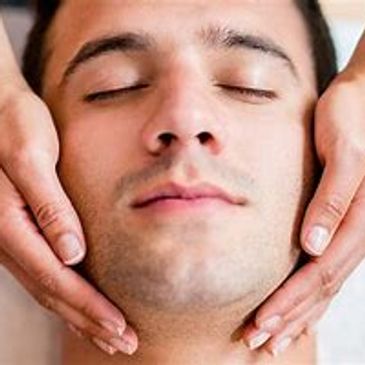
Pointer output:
x,y
335,217
40,233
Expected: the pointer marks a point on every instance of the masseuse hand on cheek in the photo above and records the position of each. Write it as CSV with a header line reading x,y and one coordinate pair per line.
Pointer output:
x,y
40,233
333,233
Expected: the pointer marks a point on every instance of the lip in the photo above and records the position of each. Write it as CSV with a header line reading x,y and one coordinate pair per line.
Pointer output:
x,y
176,192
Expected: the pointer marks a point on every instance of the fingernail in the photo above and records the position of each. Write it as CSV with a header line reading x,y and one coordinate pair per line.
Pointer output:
x,y
122,345
69,249
76,331
258,340
110,350
271,323
317,239
281,346
113,328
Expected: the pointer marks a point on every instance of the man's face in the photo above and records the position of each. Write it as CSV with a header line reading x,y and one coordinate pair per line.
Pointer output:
x,y
185,139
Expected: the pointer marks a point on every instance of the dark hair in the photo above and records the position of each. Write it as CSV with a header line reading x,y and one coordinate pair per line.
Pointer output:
x,y
323,50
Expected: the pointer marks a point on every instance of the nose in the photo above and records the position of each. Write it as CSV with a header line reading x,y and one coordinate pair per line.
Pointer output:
x,y
185,116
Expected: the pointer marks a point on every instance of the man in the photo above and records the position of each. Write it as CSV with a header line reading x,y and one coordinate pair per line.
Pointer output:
x,y
185,132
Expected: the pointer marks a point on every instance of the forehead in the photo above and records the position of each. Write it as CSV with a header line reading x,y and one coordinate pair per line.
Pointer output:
x,y
173,22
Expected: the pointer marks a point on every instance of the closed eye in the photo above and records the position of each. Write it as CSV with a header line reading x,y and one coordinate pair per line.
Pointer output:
x,y
250,92
114,93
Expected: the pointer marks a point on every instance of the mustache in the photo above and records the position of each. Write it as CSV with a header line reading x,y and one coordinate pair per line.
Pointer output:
x,y
188,170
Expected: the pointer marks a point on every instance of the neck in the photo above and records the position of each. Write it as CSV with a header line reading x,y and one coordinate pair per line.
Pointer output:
x,y
203,338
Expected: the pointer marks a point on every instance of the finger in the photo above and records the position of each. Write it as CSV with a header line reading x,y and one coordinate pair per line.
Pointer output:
x,y
33,254
285,305
322,276
127,343
40,186
301,287
310,284
28,248
256,336
279,343
101,344
44,298
339,184
114,344
78,321
347,248
305,307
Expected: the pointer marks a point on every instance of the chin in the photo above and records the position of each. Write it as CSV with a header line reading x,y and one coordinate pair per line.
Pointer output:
x,y
183,270
176,285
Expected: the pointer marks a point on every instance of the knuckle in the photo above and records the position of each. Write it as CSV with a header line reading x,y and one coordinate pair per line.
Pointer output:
x,y
334,207
48,282
28,157
45,301
294,300
51,213
23,156
297,300
329,285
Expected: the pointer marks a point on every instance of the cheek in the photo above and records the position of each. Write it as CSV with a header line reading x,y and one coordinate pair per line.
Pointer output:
x,y
287,177
94,154
279,155
272,143
278,152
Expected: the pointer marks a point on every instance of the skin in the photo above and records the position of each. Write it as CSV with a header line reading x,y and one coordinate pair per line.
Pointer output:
x,y
51,237
28,180
337,207
165,265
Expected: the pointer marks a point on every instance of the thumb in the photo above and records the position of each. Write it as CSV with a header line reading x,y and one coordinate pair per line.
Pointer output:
x,y
340,181
40,187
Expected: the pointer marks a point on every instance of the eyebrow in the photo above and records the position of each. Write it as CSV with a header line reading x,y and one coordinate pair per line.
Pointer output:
x,y
226,37
125,42
212,36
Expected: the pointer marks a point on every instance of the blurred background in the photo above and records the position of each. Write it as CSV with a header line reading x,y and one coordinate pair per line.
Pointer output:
x,y
341,332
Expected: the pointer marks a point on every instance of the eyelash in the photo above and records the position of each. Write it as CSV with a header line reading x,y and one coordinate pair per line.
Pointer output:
x,y
112,94
249,91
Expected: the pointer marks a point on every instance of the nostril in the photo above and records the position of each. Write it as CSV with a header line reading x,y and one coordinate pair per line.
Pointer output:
x,y
204,137
166,138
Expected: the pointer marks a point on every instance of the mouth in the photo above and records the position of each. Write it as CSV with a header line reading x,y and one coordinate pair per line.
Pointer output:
x,y
188,195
